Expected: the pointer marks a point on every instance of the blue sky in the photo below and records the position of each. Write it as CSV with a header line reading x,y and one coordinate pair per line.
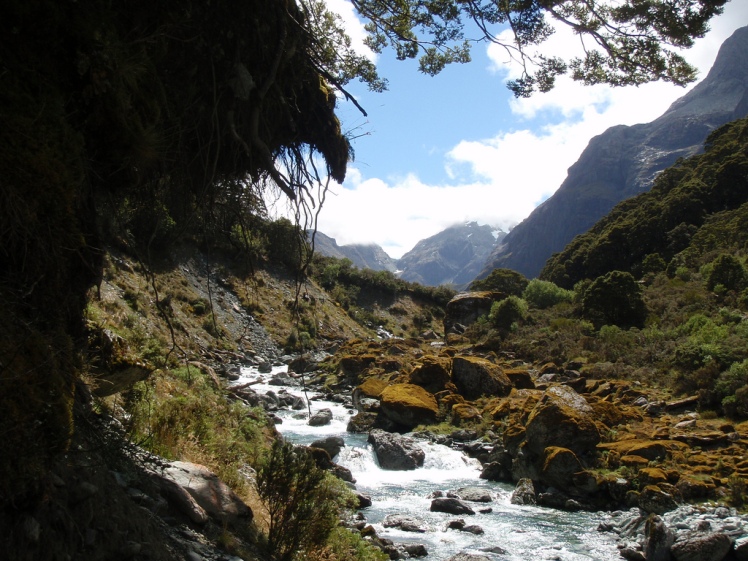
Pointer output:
x,y
436,151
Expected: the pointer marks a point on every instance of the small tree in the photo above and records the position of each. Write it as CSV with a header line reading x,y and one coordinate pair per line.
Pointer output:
x,y
302,500
507,312
615,299
502,280
728,271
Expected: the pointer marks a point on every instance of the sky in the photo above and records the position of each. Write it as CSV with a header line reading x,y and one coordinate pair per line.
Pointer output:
x,y
433,152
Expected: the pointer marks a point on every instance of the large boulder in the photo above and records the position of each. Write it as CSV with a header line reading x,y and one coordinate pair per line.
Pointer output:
x,y
396,452
524,493
212,495
331,444
559,467
320,418
713,546
658,539
409,405
476,377
432,373
465,308
561,418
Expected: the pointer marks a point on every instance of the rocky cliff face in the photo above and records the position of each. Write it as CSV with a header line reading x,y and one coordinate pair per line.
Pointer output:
x,y
624,160
454,256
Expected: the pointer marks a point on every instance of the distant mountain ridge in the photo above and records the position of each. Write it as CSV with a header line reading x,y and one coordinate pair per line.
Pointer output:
x,y
363,256
624,160
454,256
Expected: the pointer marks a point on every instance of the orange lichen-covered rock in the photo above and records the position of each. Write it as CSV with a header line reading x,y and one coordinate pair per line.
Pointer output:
x,y
409,405
372,387
476,377
559,467
432,373
465,413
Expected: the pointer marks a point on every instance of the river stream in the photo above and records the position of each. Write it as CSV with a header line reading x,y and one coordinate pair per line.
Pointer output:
x,y
510,532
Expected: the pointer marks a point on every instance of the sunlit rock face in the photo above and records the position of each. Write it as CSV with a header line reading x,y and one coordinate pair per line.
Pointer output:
x,y
624,160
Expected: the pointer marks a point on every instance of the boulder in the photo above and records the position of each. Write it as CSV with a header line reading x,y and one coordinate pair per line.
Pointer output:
x,y
208,491
561,418
473,494
465,309
396,452
332,445
652,499
405,523
476,377
520,378
450,506
658,539
432,373
320,418
524,493
713,546
409,405
559,467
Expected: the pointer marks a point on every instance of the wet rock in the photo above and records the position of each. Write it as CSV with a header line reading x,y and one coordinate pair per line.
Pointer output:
x,y
396,452
405,523
658,539
468,557
524,493
320,418
414,549
332,445
473,494
701,547
450,506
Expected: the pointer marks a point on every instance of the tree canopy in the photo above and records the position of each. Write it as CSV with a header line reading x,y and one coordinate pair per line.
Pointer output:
x,y
624,42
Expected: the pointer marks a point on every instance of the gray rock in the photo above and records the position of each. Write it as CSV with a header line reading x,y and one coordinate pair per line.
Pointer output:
x,y
396,452
320,418
405,523
524,493
332,445
658,539
701,547
450,506
468,557
474,494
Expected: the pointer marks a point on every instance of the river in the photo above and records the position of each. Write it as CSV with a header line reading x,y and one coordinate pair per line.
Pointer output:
x,y
521,532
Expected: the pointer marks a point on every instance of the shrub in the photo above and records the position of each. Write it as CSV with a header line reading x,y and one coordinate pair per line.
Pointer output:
x,y
545,294
303,501
615,299
732,388
507,312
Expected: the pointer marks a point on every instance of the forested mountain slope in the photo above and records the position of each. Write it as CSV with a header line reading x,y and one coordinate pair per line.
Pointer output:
x,y
623,161
695,208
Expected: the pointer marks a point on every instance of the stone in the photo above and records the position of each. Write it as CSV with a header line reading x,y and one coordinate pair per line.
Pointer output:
x,y
476,377
561,418
409,405
450,506
524,493
559,467
332,445
415,549
464,309
405,523
468,557
652,499
432,373
396,452
658,539
211,494
702,547
320,418
474,494
520,378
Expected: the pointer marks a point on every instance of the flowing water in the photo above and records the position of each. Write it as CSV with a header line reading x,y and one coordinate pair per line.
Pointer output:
x,y
521,532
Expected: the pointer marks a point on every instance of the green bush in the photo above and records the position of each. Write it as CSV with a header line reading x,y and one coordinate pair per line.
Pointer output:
x,y
732,388
303,501
545,294
507,312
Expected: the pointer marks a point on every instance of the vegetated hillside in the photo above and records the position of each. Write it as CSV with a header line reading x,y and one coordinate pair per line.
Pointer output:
x,y
454,256
695,210
624,160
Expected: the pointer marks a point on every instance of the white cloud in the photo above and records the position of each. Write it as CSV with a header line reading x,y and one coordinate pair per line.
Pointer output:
x,y
500,180
353,26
